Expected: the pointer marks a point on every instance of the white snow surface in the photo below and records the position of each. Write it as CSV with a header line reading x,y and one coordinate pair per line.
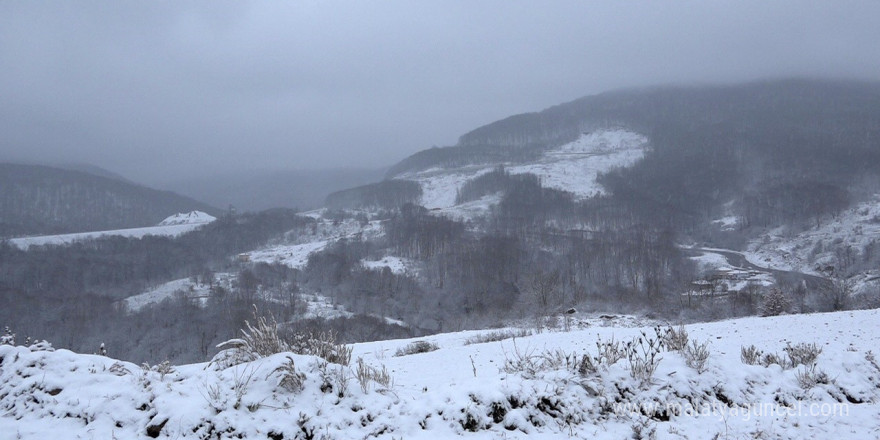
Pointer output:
x,y
710,261
462,391
397,265
192,217
295,256
184,223
571,167
294,250
184,286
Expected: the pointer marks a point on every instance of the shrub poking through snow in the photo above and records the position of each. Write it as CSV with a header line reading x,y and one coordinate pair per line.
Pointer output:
x,y
8,338
769,359
774,303
696,355
368,373
291,379
416,347
750,355
610,351
673,339
264,339
797,354
587,366
802,353
323,345
808,377
497,335
643,355
165,368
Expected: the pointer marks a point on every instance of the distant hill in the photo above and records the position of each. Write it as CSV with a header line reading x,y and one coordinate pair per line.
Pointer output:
x,y
91,169
37,199
256,191
770,152
815,114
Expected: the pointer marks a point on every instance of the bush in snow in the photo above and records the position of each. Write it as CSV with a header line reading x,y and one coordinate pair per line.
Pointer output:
x,y
264,339
610,351
321,344
808,377
497,335
40,346
674,340
798,354
643,355
367,373
696,355
775,302
416,347
769,359
8,338
802,353
750,355
291,379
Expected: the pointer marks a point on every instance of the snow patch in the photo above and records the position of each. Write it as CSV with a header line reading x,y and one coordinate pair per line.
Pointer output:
x,y
184,223
397,265
571,167
186,287
190,218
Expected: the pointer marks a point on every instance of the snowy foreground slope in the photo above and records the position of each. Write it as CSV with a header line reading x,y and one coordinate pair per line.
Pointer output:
x,y
485,390
172,226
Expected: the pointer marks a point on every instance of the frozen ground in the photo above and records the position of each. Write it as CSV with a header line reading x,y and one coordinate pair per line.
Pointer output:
x,y
173,226
502,389
572,167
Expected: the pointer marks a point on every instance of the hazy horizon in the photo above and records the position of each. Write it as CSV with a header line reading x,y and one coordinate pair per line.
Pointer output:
x,y
162,92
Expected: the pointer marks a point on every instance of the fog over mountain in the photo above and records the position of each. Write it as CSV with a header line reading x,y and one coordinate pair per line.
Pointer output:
x,y
452,219
163,92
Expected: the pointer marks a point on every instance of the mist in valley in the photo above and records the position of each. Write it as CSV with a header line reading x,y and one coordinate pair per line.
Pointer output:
x,y
306,186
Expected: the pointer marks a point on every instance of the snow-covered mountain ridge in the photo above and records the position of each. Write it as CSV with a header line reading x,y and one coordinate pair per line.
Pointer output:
x,y
513,388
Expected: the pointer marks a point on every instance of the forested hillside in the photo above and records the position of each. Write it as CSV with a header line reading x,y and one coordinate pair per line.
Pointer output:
x,y
604,205
784,151
44,200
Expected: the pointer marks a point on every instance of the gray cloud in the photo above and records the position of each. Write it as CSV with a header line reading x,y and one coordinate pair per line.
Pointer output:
x,y
155,90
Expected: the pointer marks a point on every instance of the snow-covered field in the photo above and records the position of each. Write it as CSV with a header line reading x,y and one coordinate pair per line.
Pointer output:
x,y
295,256
397,265
571,167
172,226
504,389
295,250
185,286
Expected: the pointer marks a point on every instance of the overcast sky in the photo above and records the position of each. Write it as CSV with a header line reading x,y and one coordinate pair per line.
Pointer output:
x,y
157,90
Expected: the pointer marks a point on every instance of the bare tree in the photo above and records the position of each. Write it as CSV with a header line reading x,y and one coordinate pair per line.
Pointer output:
x,y
543,285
